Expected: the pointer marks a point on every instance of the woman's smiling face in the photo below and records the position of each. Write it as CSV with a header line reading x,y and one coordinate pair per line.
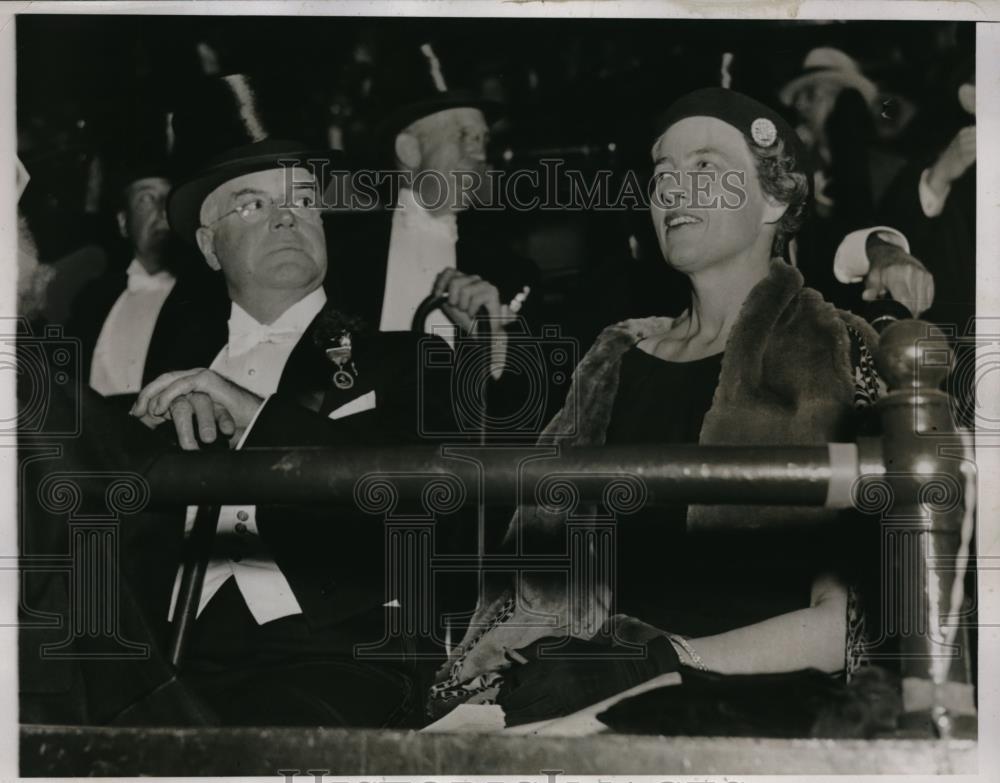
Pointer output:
x,y
708,204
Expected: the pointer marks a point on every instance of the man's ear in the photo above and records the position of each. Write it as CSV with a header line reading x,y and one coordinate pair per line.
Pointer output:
x,y
206,244
122,223
408,150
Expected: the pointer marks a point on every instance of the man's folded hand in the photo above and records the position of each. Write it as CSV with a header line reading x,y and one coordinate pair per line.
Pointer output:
x,y
197,400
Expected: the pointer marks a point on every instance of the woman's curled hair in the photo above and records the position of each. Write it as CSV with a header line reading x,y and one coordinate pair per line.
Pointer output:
x,y
783,179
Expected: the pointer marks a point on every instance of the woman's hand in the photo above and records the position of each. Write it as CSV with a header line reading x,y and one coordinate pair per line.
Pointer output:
x,y
560,681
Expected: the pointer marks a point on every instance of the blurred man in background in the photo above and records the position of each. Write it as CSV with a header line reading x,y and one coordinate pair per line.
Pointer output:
x,y
833,101
133,321
392,259
934,203
428,241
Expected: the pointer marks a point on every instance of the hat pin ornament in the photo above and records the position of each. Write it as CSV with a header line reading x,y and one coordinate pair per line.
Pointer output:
x,y
763,132
340,354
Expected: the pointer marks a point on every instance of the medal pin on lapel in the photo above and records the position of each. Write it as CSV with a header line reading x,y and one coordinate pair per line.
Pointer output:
x,y
340,355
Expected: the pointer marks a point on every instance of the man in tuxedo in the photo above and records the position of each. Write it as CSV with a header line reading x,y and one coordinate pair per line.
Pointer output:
x,y
934,203
832,98
422,238
289,591
390,257
132,322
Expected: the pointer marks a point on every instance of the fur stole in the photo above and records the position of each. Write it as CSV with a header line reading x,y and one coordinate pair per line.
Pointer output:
x,y
786,379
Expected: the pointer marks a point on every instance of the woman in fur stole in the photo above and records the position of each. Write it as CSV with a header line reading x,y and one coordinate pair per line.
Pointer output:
x,y
757,359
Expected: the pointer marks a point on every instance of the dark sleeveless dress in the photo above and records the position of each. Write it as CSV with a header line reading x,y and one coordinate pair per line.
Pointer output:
x,y
696,584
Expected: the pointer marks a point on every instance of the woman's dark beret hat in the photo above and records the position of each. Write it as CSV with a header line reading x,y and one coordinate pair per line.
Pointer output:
x,y
761,124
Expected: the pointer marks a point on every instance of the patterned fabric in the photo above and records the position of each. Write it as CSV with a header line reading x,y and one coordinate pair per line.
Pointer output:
x,y
868,387
857,637
452,691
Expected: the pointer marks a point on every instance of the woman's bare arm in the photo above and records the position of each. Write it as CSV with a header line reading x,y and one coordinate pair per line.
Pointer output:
x,y
806,638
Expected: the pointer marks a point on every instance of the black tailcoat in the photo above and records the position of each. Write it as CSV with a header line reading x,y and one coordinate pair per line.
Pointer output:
x,y
358,245
191,321
333,558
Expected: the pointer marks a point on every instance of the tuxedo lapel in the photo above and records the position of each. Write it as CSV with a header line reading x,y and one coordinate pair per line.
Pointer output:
x,y
473,257
306,376
380,263
466,262
163,335
191,328
308,373
110,291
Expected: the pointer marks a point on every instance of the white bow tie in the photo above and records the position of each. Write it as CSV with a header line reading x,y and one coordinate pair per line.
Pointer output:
x,y
243,340
144,282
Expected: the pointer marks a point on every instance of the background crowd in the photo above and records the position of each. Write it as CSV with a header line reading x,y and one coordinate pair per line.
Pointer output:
x,y
582,91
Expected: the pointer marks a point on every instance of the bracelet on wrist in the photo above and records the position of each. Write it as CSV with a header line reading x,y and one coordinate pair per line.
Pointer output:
x,y
680,643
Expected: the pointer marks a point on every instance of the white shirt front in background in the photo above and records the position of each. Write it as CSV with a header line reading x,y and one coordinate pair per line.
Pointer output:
x,y
120,352
421,246
255,358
